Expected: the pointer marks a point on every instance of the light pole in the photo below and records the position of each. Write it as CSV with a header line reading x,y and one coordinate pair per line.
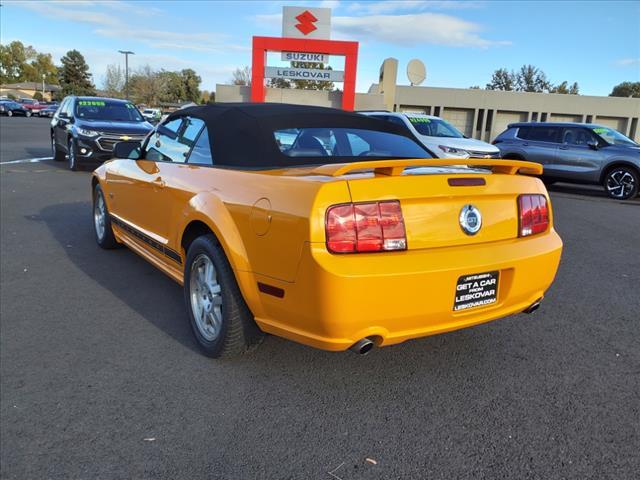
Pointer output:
x,y
43,75
126,54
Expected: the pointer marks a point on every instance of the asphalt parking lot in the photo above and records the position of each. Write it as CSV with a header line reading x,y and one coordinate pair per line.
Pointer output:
x,y
101,378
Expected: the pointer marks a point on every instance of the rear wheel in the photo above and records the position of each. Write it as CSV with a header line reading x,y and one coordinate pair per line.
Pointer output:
x,y
72,155
9,113
27,113
220,319
621,183
102,221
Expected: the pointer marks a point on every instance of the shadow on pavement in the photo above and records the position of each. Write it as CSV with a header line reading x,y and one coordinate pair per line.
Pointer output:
x,y
159,301
128,277
595,191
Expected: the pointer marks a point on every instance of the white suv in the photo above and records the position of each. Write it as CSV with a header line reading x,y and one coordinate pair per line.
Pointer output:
x,y
441,138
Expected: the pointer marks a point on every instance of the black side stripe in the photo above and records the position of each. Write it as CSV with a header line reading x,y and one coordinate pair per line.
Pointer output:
x,y
172,254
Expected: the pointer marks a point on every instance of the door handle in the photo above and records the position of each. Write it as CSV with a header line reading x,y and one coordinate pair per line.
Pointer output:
x,y
158,183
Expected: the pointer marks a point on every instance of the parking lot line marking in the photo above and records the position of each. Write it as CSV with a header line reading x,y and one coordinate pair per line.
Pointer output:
x,y
27,160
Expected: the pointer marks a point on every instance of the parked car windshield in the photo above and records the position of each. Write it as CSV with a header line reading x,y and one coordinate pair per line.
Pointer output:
x,y
613,136
434,127
346,142
107,110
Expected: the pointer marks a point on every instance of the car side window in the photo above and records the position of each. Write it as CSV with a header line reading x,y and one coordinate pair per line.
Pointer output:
x,y
540,134
173,141
397,121
201,152
163,145
578,136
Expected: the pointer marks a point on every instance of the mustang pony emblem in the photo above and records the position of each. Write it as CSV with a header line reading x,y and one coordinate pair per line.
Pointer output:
x,y
470,219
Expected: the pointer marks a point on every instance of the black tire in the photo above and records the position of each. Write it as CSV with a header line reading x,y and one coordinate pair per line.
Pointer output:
x,y
237,331
57,155
106,240
621,182
72,156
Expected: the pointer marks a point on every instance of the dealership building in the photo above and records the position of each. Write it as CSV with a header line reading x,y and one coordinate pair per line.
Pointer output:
x,y
480,114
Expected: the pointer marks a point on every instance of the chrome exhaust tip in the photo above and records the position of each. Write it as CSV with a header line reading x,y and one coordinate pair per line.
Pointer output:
x,y
534,306
362,347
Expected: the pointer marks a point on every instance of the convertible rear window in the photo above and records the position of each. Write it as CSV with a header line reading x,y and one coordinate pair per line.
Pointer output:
x,y
346,142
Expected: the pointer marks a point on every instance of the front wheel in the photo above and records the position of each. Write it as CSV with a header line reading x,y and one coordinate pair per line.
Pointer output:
x,y
72,155
621,183
27,114
220,319
55,151
9,113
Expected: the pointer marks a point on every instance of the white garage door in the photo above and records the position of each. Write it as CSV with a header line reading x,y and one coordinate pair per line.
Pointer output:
x,y
461,118
504,118
561,117
616,123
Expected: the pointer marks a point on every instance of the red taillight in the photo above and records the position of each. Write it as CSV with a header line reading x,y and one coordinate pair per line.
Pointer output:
x,y
365,227
534,214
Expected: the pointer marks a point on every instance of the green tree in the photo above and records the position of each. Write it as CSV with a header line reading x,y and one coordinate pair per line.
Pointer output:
x,y
191,81
42,64
145,86
75,78
279,83
565,88
13,59
171,86
38,96
532,79
626,89
502,79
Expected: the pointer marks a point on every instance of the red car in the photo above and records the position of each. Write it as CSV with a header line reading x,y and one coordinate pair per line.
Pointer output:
x,y
33,105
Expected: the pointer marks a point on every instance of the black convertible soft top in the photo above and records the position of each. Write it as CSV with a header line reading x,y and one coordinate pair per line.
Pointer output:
x,y
242,134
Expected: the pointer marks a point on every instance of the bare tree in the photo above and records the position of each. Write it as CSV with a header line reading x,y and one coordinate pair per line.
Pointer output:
x,y
113,81
241,76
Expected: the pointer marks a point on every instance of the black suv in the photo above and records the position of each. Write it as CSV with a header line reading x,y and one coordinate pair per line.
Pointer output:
x,y
85,129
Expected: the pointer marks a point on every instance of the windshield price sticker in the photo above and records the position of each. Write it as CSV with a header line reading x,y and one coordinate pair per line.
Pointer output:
x,y
419,120
476,290
600,131
91,103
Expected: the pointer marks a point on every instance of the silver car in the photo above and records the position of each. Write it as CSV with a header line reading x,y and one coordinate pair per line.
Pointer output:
x,y
578,153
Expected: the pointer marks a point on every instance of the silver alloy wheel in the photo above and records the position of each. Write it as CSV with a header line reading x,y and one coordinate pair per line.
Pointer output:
x,y
100,216
27,114
9,113
620,183
206,297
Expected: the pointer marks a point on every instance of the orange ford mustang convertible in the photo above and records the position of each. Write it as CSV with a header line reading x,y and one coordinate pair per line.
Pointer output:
x,y
325,227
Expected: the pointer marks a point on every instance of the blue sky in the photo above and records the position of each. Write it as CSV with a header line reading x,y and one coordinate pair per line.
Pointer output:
x,y
596,43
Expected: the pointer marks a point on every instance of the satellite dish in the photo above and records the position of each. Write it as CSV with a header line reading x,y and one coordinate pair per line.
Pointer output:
x,y
416,72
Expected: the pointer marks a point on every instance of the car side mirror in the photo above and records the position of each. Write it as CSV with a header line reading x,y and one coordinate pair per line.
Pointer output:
x,y
129,150
593,145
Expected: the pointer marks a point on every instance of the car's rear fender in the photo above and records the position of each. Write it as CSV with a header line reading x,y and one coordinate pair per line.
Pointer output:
x,y
208,209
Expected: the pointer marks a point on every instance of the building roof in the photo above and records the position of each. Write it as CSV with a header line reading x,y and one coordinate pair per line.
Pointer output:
x,y
32,86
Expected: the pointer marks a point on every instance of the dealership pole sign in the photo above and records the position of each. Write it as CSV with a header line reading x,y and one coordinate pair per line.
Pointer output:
x,y
305,37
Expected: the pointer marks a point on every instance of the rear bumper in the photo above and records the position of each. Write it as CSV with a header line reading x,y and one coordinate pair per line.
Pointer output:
x,y
338,299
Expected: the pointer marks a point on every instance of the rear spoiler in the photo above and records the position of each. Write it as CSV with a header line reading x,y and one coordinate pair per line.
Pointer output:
x,y
395,168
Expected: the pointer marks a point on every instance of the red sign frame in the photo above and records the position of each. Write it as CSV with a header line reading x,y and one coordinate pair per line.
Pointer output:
x,y
262,45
